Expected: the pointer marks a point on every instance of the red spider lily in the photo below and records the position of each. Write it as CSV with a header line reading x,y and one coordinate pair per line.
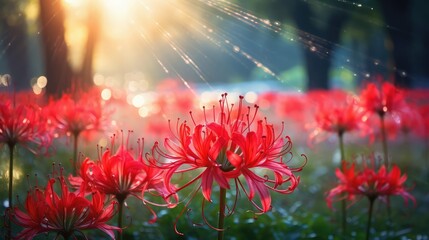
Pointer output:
x,y
25,125
66,214
383,99
74,114
227,148
122,175
371,183
368,182
119,175
339,115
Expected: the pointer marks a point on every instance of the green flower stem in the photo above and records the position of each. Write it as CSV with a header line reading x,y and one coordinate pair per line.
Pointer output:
x,y
222,204
368,226
75,144
11,149
386,159
384,140
344,217
426,153
341,142
120,210
343,202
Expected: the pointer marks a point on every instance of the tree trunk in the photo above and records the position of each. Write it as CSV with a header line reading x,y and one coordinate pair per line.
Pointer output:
x,y
319,42
57,68
93,23
397,15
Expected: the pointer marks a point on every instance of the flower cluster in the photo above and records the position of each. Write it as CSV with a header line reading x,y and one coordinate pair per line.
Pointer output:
x,y
230,147
66,214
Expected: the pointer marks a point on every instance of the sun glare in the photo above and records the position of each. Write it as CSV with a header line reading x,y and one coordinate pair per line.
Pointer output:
x,y
124,23
117,9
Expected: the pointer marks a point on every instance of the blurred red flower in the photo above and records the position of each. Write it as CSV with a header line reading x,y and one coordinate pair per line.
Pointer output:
x,y
83,112
338,113
382,99
23,124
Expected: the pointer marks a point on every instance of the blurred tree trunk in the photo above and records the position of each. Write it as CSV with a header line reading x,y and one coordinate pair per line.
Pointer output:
x,y
13,43
397,16
319,40
93,23
57,68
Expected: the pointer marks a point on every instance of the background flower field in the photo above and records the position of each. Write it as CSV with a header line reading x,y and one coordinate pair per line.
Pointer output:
x,y
149,119
304,214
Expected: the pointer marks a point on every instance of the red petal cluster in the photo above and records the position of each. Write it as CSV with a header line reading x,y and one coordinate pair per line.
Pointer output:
x,y
23,123
369,182
66,214
121,175
382,99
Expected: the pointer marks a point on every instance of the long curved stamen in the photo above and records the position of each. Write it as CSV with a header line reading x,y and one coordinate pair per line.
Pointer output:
x,y
205,219
183,211
248,196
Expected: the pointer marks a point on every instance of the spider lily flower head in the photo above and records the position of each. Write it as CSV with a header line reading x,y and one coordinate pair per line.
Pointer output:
x,y
119,174
369,182
383,98
262,149
82,112
66,214
340,118
23,124
122,175
339,115
226,147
